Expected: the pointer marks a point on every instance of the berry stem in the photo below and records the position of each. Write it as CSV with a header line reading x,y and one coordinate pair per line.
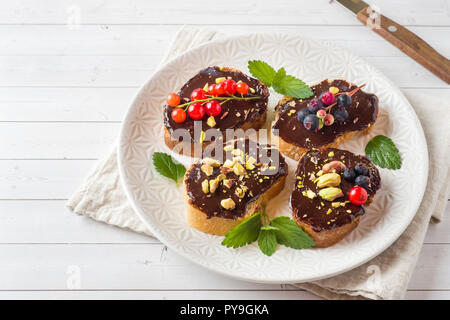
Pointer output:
x,y
350,93
225,99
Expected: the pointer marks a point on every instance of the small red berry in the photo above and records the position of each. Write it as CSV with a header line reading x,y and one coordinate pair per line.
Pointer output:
x,y
229,86
242,88
220,88
196,111
357,195
328,120
327,98
213,108
198,94
212,90
173,99
178,115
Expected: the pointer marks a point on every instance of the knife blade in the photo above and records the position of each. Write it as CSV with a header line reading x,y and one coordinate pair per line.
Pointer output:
x,y
402,38
353,5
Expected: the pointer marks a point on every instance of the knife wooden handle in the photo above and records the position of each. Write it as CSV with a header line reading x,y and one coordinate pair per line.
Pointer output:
x,y
409,43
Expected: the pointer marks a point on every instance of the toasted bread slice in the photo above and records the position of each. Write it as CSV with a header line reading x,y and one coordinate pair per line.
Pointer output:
x,y
294,140
235,114
329,216
221,192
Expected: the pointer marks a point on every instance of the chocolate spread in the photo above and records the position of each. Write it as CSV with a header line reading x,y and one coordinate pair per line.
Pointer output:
x,y
320,213
362,113
234,112
270,166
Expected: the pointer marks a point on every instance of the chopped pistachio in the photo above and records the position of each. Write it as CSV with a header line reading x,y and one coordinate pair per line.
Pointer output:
x,y
219,80
328,180
329,211
211,121
212,162
206,87
238,169
330,193
228,147
207,169
252,90
205,186
309,194
228,183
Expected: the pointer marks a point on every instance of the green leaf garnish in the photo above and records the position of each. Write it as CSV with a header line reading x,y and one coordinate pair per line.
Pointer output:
x,y
267,241
262,71
281,82
382,151
280,230
244,233
290,234
167,166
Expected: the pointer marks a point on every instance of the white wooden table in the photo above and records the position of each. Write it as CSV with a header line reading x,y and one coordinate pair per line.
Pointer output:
x,y
64,89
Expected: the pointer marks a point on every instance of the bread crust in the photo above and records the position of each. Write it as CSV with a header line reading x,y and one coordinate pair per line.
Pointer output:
x,y
295,152
221,226
326,238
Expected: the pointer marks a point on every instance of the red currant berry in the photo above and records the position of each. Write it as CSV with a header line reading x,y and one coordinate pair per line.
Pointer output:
x,y
213,108
242,88
327,98
220,88
212,90
196,111
178,115
173,99
229,86
198,94
357,195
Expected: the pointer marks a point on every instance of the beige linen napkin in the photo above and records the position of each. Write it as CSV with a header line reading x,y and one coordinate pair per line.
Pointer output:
x,y
102,198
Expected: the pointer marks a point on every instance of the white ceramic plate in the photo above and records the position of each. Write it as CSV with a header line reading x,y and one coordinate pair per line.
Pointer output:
x,y
159,204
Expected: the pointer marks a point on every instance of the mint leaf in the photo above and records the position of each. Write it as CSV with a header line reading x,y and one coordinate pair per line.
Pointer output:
x,y
244,233
167,166
291,86
262,71
278,79
382,151
267,240
290,234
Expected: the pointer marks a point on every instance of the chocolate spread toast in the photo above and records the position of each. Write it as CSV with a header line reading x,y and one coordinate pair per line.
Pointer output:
x,y
338,124
320,199
223,190
233,114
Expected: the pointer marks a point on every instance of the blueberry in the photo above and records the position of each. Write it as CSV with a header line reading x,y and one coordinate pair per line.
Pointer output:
x,y
340,115
349,174
344,100
362,181
302,114
314,105
311,122
361,170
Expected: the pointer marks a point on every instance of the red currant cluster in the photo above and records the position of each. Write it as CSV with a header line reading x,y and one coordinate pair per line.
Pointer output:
x,y
206,100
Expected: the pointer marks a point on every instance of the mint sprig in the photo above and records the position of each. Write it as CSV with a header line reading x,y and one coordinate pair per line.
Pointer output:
x,y
168,167
281,82
280,230
382,151
244,233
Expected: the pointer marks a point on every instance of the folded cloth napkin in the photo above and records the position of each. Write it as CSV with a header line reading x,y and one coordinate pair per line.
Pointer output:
x,y
102,198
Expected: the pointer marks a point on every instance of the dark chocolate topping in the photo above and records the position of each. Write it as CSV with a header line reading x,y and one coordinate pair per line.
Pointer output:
x,y
307,210
236,112
362,113
270,165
